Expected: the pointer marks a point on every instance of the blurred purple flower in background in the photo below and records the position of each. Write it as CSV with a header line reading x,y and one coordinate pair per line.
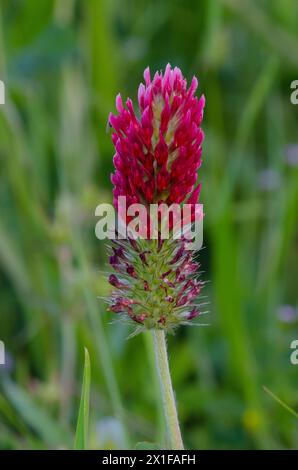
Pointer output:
x,y
287,314
292,154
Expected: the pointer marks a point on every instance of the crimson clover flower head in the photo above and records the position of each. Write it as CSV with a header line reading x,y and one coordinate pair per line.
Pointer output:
x,y
158,152
158,149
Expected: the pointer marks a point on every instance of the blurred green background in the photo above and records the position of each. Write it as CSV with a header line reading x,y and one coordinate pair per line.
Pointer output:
x,y
63,62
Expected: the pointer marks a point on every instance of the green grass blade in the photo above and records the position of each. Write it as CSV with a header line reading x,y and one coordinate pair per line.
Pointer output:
x,y
83,418
282,403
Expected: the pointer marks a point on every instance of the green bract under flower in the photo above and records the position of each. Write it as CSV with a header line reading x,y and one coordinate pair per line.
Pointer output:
x,y
156,283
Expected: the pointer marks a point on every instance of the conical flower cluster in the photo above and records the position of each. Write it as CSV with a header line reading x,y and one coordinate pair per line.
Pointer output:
x,y
159,153
157,157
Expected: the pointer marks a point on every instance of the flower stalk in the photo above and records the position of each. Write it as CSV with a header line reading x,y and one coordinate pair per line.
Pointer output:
x,y
168,397
158,149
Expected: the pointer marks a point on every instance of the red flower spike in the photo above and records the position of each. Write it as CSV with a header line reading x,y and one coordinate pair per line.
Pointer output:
x,y
158,155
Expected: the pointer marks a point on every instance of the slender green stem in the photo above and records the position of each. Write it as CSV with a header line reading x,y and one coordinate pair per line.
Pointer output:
x,y
154,376
168,398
